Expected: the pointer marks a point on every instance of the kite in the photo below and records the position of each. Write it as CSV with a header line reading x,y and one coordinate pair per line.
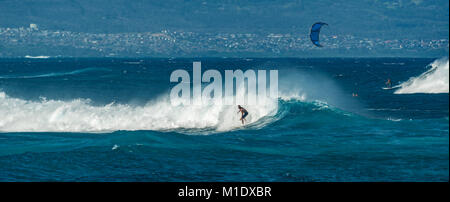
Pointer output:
x,y
315,30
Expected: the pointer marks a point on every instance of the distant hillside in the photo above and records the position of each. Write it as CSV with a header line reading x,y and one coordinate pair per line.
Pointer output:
x,y
366,18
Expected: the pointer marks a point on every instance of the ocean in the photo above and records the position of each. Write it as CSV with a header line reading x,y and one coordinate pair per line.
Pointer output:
x,y
109,119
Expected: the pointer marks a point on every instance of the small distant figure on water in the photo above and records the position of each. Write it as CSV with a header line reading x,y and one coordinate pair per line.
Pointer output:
x,y
388,83
354,94
244,113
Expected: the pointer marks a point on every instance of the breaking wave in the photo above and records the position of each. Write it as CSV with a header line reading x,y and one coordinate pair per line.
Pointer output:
x,y
80,115
434,80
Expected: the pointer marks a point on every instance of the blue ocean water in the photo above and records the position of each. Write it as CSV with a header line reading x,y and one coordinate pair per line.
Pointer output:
x,y
107,119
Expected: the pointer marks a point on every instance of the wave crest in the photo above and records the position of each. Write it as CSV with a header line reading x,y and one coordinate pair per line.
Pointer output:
x,y
434,80
80,115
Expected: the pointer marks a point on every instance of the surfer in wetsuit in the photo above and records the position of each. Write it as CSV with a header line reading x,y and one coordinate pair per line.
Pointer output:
x,y
388,83
244,113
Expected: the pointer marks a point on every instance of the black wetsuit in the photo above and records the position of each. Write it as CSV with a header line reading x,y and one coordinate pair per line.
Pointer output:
x,y
245,113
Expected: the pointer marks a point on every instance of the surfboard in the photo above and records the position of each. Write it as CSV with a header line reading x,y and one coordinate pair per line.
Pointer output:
x,y
389,88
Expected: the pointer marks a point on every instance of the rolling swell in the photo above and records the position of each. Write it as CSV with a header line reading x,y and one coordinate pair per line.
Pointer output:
x,y
54,74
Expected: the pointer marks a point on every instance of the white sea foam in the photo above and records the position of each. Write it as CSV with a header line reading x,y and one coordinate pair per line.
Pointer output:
x,y
37,57
434,80
17,115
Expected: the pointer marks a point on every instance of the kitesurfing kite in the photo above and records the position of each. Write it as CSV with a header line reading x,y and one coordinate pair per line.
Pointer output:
x,y
315,30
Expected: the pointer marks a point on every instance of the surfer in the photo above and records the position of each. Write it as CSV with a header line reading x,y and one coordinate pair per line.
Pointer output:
x,y
244,113
388,83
